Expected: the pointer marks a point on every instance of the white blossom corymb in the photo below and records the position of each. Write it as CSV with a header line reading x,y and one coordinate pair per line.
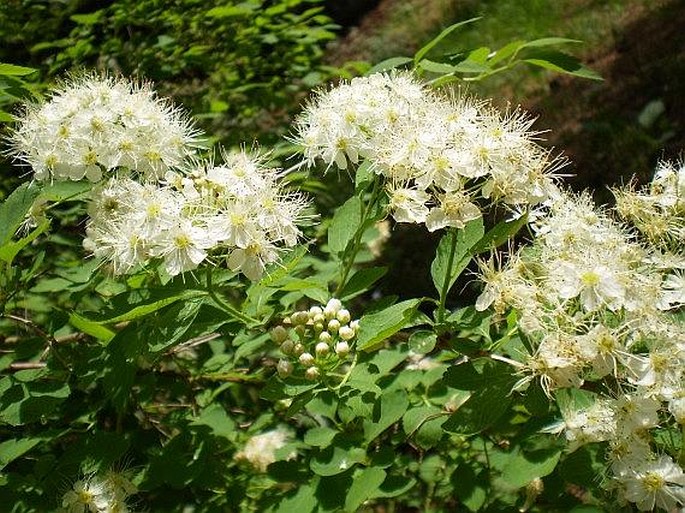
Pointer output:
x,y
237,210
438,155
92,125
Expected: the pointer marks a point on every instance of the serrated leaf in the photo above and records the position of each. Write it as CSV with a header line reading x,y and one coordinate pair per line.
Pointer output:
x,y
12,449
517,467
376,327
458,244
364,486
344,225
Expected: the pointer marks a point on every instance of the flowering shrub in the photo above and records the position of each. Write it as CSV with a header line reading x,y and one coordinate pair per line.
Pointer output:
x,y
231,357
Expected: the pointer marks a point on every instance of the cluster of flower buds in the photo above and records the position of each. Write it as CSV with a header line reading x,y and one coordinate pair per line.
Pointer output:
x,y
316,340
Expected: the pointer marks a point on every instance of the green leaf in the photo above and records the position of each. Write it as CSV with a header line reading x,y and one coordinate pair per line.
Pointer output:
x,y
436,67
499,234
361,281
91,328
320,436
465,240
25,402
302,501
11,249
377,327
388,411
560,62
422,341
335,460
470,487
393,62
489,383
14,209
517,467
344,225
216,418
12,449
506,51
228,11
548,41
148,307
87,19
364,486
15,71
66,191
433,42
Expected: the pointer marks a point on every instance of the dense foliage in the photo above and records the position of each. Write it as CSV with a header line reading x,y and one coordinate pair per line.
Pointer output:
x,y
240,66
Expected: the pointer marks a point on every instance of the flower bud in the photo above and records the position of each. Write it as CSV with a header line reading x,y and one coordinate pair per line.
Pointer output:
x,y
279,334
342,349
355,325
334,304
299,318
314,311
312,373
326,337
287,346
318,327
319,318
322,349
333,326
343,316
298,349
300,330
306,359
284,368
346,333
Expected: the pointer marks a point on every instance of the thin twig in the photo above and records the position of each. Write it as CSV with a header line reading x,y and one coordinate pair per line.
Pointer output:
x,y
19,366
52,342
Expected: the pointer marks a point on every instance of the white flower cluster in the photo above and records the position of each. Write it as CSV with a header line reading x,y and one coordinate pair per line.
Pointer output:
x,y
439,155
658,210
236,209
157,201
94,125
593,305
97,494
640,475
260,450
316,341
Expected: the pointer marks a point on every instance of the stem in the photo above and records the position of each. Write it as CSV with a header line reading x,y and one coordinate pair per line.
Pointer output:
x,y
681,459
352,255
230,310
440,317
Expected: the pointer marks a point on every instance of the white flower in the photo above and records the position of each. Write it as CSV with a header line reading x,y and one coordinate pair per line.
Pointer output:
x,y
596,284
455,210
408,205
651,484
95,124
260,450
